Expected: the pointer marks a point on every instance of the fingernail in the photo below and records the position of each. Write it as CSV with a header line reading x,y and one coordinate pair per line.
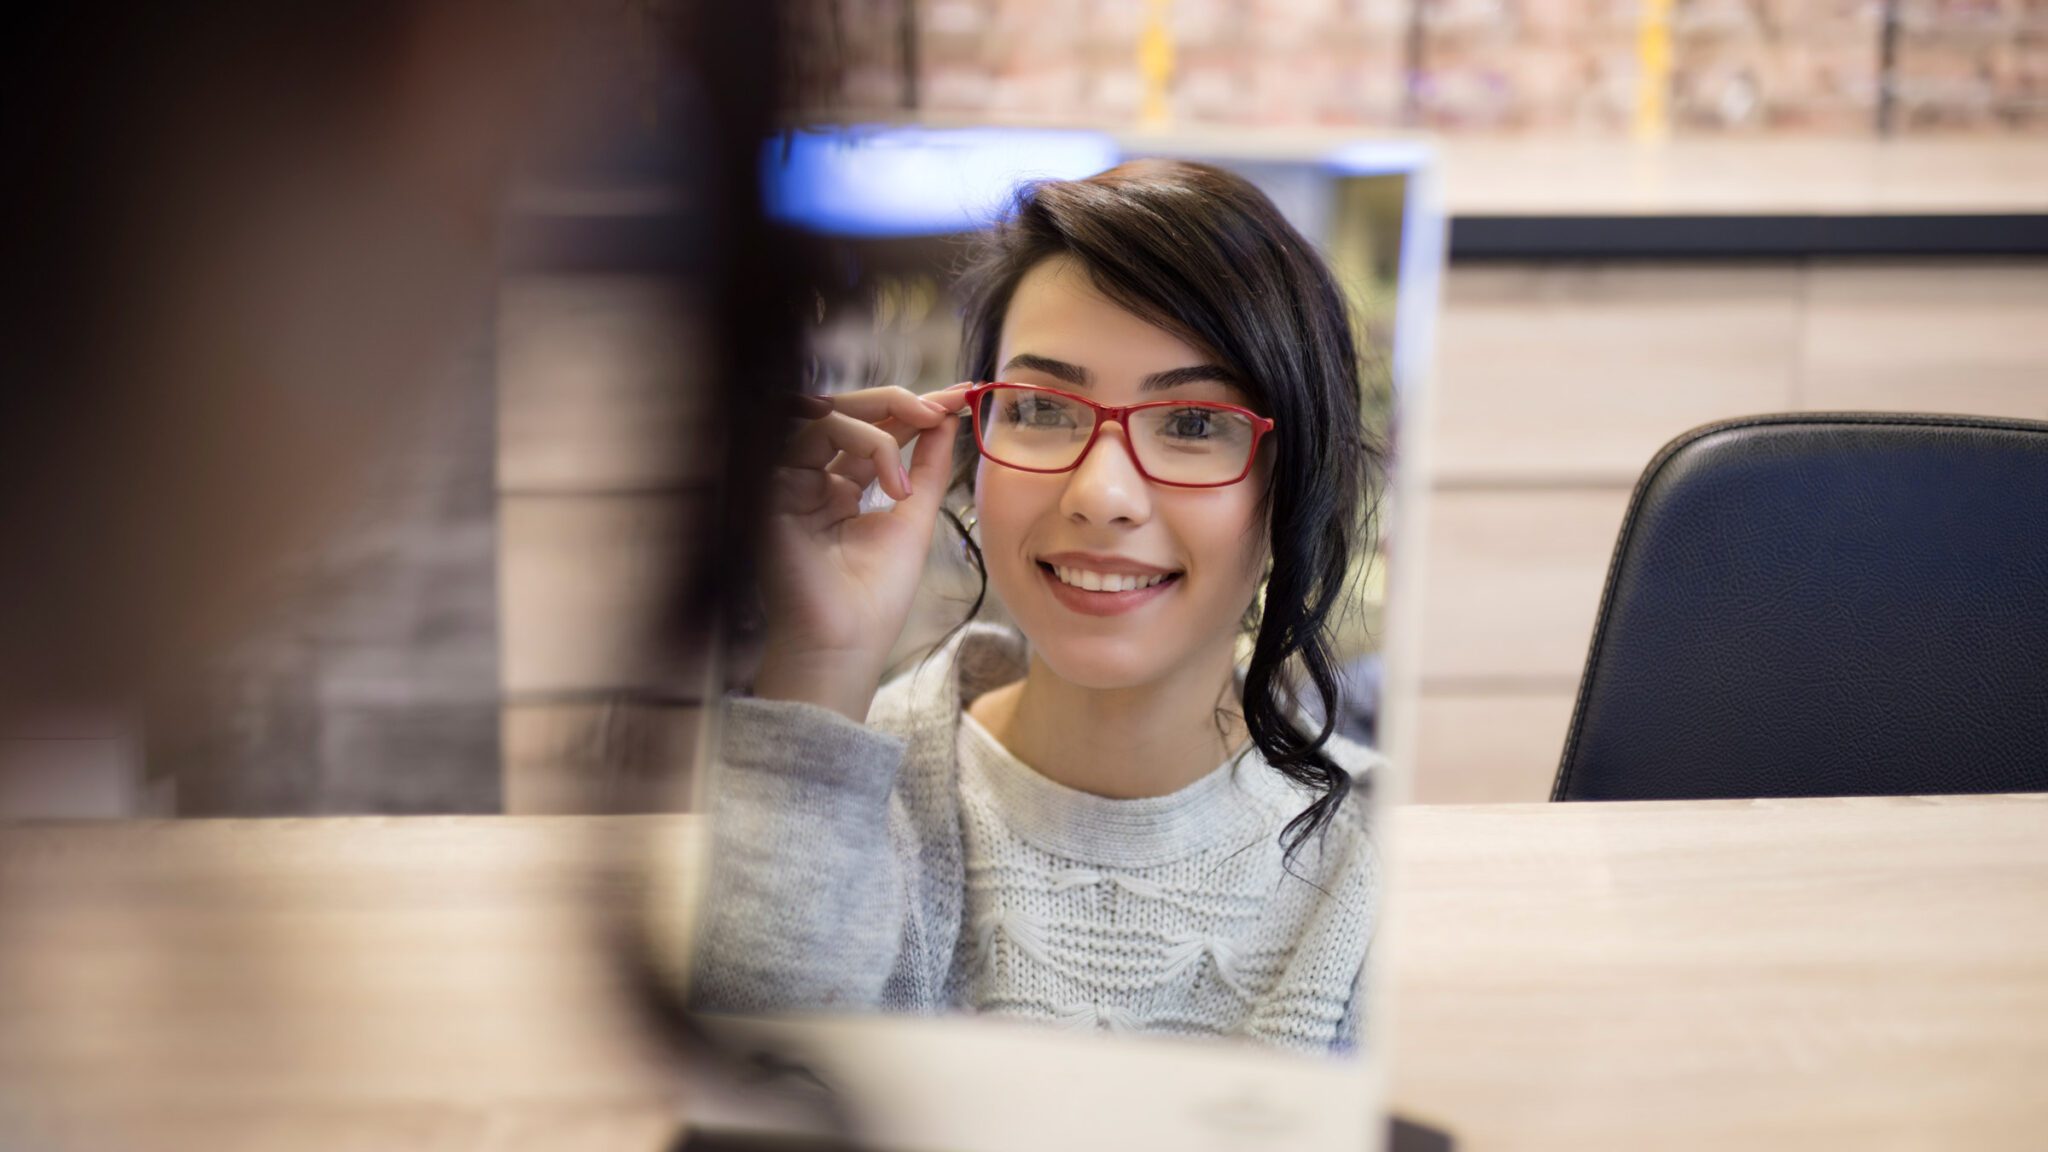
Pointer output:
x,y
903,478
810,407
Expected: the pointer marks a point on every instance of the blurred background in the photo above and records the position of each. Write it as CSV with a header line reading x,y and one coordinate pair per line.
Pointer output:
x,y
1660,213
374,367
1602,67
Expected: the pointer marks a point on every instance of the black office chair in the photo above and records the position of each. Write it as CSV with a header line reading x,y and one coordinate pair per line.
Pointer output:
x,y
1823,605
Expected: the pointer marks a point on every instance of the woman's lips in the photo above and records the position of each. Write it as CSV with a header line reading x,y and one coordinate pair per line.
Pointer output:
x,y
1103,603
1101,563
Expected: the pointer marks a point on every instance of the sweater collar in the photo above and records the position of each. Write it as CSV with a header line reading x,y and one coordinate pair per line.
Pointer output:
x,y
1239,802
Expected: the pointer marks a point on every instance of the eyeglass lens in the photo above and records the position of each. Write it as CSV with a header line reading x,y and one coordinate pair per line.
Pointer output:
x,y
1178,444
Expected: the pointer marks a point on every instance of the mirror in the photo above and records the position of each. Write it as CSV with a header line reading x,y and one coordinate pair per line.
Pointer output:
x,y
1048,825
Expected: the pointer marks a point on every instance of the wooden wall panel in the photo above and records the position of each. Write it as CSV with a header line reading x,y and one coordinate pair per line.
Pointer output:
x,y
1489,747
1579,373
1927,336
1514,577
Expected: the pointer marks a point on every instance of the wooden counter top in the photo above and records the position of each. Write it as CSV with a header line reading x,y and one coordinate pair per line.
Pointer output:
x,y
1822,973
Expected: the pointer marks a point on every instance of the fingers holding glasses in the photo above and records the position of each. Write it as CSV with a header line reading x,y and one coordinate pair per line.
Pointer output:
x,y
860,437
814,498
827,439
840,579
901,404
884,405
950,400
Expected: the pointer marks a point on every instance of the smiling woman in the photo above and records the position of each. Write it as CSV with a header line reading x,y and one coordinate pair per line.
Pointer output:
x,y
1096,819
1183,279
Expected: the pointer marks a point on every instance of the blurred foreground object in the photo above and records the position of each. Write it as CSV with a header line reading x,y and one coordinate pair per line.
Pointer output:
x,y
243,240
246,242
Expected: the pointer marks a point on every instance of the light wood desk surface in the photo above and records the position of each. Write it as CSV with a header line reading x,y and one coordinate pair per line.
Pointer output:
x,y
1857,974
1866,973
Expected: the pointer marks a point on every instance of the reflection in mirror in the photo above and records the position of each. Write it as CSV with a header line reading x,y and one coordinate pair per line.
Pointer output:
x,y
1064,697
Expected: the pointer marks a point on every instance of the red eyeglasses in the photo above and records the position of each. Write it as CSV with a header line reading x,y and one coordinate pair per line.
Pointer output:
x,y
1184,443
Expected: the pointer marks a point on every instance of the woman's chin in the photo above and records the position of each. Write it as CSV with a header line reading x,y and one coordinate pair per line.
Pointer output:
x,y
1102,663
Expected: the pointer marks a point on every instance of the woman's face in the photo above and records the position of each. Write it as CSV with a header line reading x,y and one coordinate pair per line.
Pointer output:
x,y
1104,517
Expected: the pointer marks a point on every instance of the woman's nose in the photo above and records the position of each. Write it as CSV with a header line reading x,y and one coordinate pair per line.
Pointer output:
x,y
1106,486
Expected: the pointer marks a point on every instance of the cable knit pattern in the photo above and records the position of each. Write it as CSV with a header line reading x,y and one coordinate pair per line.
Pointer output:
x,y
982,885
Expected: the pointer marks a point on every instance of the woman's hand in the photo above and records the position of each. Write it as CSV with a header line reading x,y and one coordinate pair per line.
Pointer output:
x,y
838,581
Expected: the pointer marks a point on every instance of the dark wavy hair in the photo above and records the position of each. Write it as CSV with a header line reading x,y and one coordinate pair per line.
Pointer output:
x,y
1202,253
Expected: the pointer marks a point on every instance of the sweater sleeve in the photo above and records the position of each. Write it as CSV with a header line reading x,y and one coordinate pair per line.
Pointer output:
x,y
807,898
1351,1029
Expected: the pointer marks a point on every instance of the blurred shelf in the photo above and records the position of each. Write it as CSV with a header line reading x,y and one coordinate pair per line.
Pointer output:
x,y
1683,237
1506,174
1750,176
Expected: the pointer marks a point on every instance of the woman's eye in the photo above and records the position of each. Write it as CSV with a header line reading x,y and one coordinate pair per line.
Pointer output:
x,y
1034,413
1190,424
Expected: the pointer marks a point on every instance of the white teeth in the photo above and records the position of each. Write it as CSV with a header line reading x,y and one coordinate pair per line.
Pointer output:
x,y
1104,581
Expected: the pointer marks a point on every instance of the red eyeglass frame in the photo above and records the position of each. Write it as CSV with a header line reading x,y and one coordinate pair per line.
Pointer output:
x,y
1114,414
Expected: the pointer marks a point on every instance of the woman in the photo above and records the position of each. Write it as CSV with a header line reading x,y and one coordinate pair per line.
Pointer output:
x,y
1097,822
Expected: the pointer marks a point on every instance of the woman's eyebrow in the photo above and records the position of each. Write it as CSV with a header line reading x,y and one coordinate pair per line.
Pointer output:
x,y
1081,378
1059,369
1199,373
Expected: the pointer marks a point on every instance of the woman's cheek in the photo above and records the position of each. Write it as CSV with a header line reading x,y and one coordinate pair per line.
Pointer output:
x,y
1240,548
1001,523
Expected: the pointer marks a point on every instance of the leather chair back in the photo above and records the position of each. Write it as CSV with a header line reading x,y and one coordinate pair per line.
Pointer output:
x,y
1824,605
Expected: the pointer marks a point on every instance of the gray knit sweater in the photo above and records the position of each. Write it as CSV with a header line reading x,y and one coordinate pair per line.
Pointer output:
x,y
914,865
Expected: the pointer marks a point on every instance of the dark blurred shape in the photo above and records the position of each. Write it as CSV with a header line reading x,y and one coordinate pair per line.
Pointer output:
x,y
697,1140
240,237
753,277
246,454
1824,605
245,241
1412,1136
